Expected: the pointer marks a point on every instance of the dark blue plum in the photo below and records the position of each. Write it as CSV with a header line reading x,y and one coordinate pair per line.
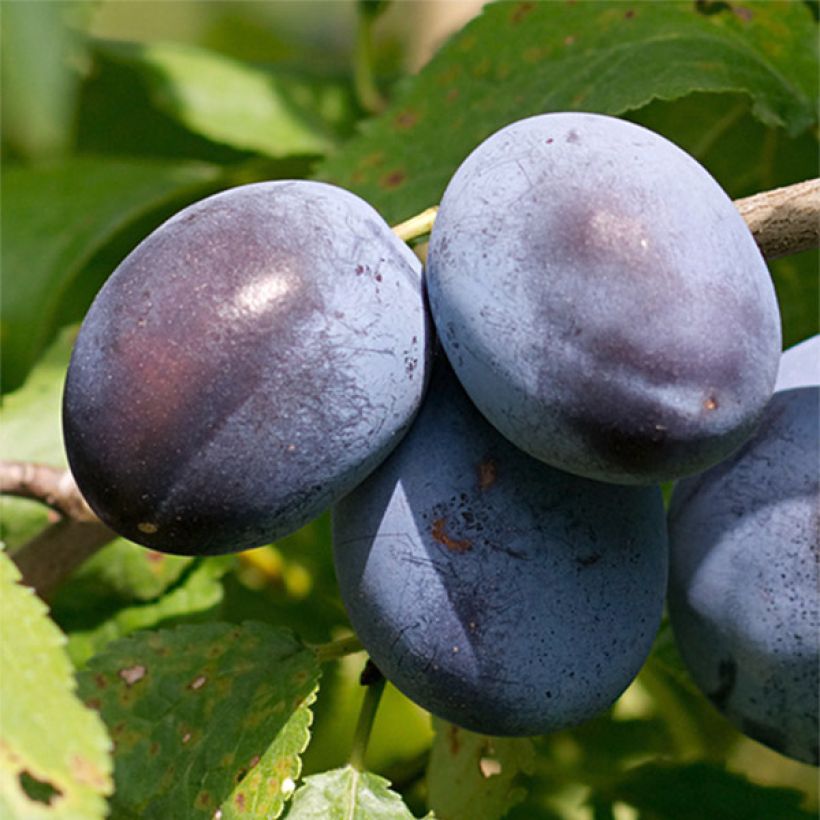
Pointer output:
x,y
601,299
246,365
498,593
743,586
800,365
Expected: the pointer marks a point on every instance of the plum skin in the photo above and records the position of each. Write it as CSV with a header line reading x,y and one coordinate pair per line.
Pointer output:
x,y
602,300
248,363
743,585
498,593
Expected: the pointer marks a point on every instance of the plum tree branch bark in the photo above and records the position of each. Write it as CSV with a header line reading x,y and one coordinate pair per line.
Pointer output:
x,y
783,221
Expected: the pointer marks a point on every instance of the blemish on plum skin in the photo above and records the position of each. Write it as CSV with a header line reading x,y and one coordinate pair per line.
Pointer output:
x,y
452,544
487,474
133,674
393,179
711,403
573,138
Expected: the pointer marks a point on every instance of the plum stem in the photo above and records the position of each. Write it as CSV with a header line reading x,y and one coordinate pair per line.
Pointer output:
x,y
417,226
334,650
373,679
783,221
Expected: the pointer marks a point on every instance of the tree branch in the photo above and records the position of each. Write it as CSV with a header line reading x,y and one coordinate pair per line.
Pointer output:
x,y
52,555
50,485
785,220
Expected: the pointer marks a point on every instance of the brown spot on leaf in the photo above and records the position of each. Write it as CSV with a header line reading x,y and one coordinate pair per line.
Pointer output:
x,y
406,119
520,12
489,767
569,40
743,13
487,474
452,544
629,14
85,772
453,740
93,703
101,681
133,674
452,95
154,557
203,800
240,801
393,179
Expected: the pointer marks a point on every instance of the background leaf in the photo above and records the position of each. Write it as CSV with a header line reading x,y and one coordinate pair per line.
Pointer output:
x,y
45,246
680,792
347,794
193,710
520,59
54,754
475,777
93,624
252,108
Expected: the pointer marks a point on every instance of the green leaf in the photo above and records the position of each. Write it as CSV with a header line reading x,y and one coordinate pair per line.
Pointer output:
x,y
692,791
269,784
195,710
128,572
521,59
39,80
475,777
54,753
252,108
91,628
347,794
30,423
30,416
53,221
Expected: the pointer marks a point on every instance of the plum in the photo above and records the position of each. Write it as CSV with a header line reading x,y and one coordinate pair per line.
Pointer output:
x,y
246,365
743,584
501,594
601,299
800,365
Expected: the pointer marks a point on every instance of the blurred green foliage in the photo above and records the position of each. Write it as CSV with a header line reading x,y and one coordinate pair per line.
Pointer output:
x,y
116,114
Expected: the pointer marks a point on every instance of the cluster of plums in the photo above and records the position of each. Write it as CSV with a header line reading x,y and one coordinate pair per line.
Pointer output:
x,y
606,323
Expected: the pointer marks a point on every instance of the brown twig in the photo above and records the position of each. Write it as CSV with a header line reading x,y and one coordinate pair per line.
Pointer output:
x,y
785,220
60,548
52,555
50,485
